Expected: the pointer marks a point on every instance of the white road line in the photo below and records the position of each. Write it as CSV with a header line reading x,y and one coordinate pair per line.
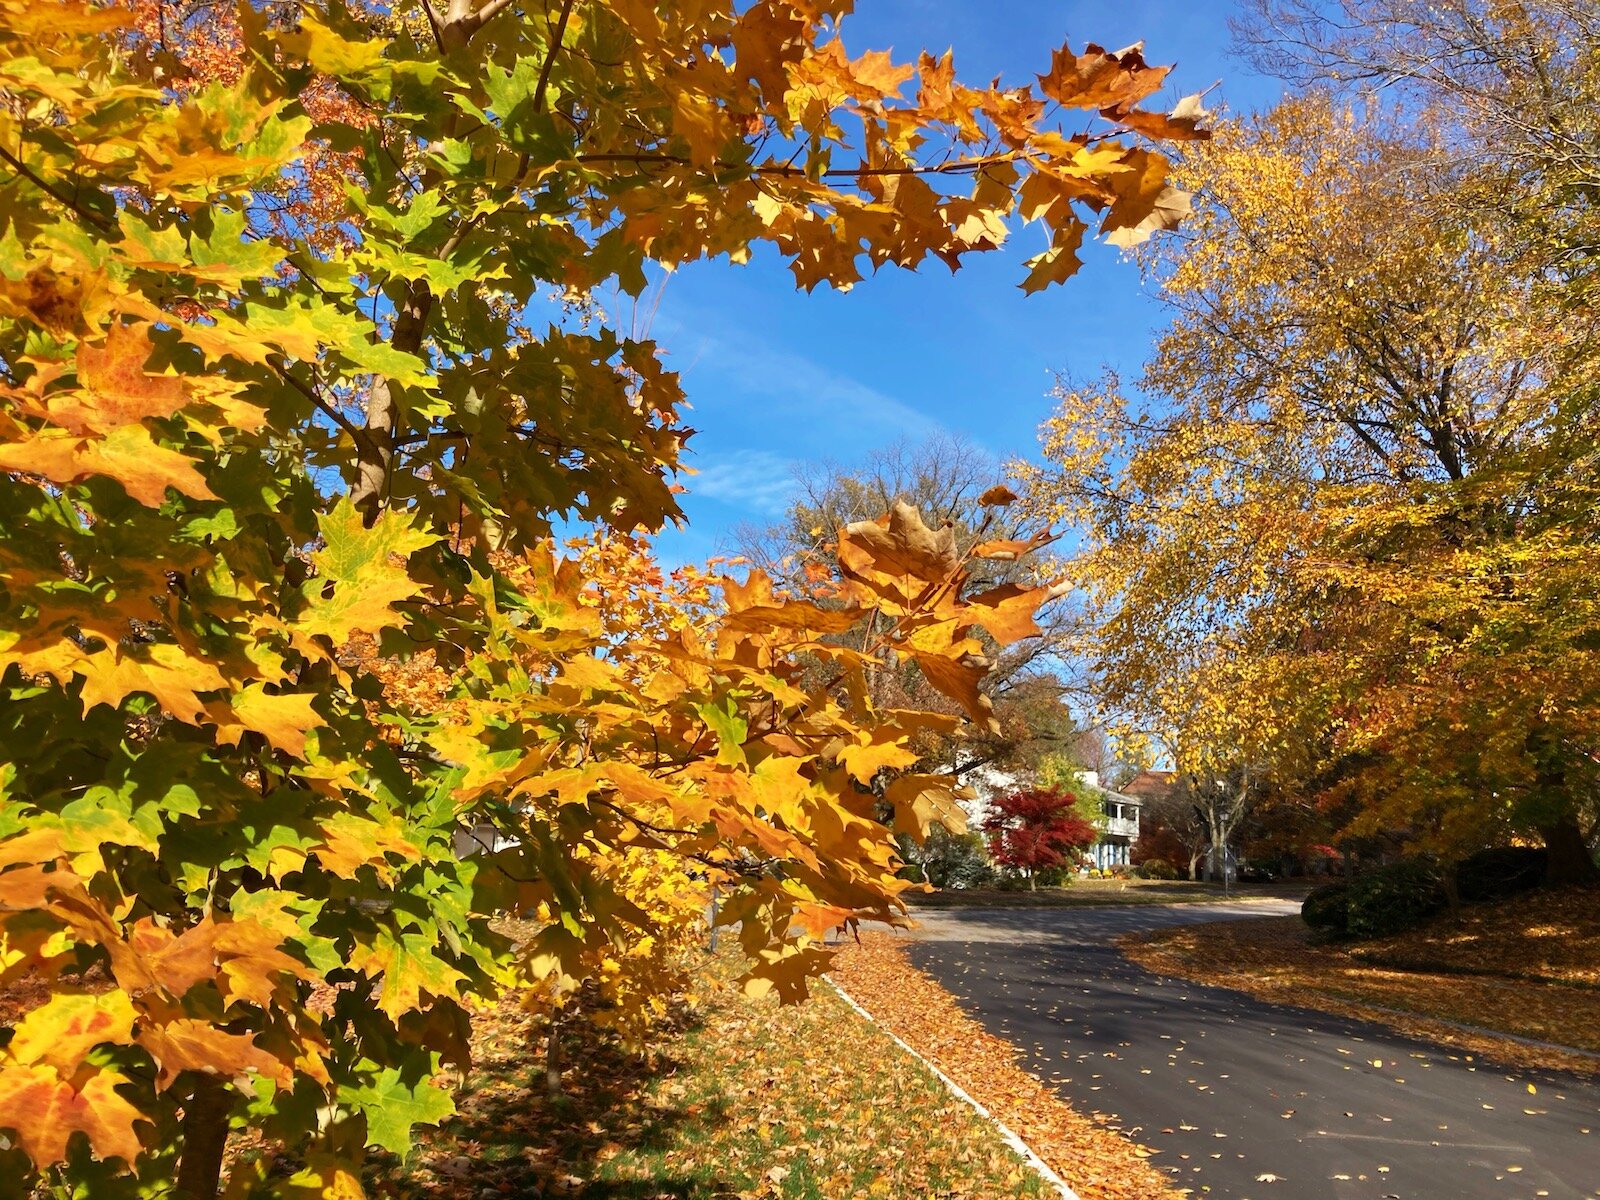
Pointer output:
x,y
1007,1135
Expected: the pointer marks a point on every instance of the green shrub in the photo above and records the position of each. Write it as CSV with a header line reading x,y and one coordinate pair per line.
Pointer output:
x,y
1327,908
1054,876
1499,872
1394,898
1156,868
945,859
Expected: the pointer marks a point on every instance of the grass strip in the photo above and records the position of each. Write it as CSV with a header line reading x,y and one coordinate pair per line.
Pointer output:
x,y
1096,893
739,1099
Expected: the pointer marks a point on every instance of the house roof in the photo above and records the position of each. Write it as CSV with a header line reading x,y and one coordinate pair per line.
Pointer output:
x,y
1149,785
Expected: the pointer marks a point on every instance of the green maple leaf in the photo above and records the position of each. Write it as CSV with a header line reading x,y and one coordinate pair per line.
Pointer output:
x,y
731,730
102,816
229,257
414,219
410,963
393,1106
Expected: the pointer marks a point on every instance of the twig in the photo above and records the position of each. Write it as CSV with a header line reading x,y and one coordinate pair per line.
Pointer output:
x,y
967,167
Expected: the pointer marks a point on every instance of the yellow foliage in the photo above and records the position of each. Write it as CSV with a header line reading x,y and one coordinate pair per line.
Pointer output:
x,y
1334,540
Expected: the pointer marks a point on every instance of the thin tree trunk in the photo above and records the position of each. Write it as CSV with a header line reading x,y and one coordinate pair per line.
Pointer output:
x,y
375,458
1570,862
552,1059
205,1137
1452,894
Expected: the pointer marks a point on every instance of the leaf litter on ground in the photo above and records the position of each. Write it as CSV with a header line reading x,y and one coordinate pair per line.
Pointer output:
x,y
1097,1162
736,1098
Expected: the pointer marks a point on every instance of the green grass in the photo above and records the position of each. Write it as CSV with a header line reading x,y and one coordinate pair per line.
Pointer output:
x,y
743,1099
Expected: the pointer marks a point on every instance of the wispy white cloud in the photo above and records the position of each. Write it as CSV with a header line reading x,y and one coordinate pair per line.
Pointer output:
x,y
818,393
810,398
755,480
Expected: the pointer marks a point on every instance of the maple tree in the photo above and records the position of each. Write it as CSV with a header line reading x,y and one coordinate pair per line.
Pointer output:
x,y
1334,551
1162,840
298,377
1036,829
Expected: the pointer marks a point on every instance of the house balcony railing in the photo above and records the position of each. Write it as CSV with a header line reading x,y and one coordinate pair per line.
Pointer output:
x,y
1122,827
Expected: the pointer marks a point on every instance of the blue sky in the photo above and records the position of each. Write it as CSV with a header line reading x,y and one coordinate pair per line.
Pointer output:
x,y
777,377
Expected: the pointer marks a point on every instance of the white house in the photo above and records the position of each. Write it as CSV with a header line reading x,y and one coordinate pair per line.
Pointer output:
x,y
1119,827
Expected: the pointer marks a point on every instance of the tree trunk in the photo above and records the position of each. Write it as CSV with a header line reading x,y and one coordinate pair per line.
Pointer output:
x,y
1570,862
552,1059
1194,866
1033,882
375,458
1452,894
205,1137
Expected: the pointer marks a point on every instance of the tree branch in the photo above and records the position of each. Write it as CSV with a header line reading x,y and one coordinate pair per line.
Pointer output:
x,y
550,58
26,172
958,167
310,393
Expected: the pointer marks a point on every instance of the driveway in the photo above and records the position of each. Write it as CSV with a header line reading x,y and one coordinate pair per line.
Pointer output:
x,y
1243,1099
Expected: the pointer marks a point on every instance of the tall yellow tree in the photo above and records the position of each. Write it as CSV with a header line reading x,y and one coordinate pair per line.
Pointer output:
x,y
1337,534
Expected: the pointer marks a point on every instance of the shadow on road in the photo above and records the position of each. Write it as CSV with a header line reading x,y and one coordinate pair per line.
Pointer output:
x,y
1243,1099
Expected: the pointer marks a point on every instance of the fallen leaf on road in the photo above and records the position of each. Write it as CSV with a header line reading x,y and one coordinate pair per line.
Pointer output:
x,y
1421,982
1098,1162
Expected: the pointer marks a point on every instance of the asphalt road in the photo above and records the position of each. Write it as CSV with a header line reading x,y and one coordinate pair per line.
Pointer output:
x,y
1248,1100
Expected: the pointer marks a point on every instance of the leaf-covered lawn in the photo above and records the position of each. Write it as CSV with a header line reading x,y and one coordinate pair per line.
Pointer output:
x,y
1544,936
743,1099
1530,968
1096,1161
1103,891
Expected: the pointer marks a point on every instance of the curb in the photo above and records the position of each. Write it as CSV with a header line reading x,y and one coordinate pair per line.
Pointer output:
x,y
1025,1151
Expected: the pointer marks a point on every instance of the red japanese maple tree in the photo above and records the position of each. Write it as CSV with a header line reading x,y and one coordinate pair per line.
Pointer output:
x,y
1036,829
